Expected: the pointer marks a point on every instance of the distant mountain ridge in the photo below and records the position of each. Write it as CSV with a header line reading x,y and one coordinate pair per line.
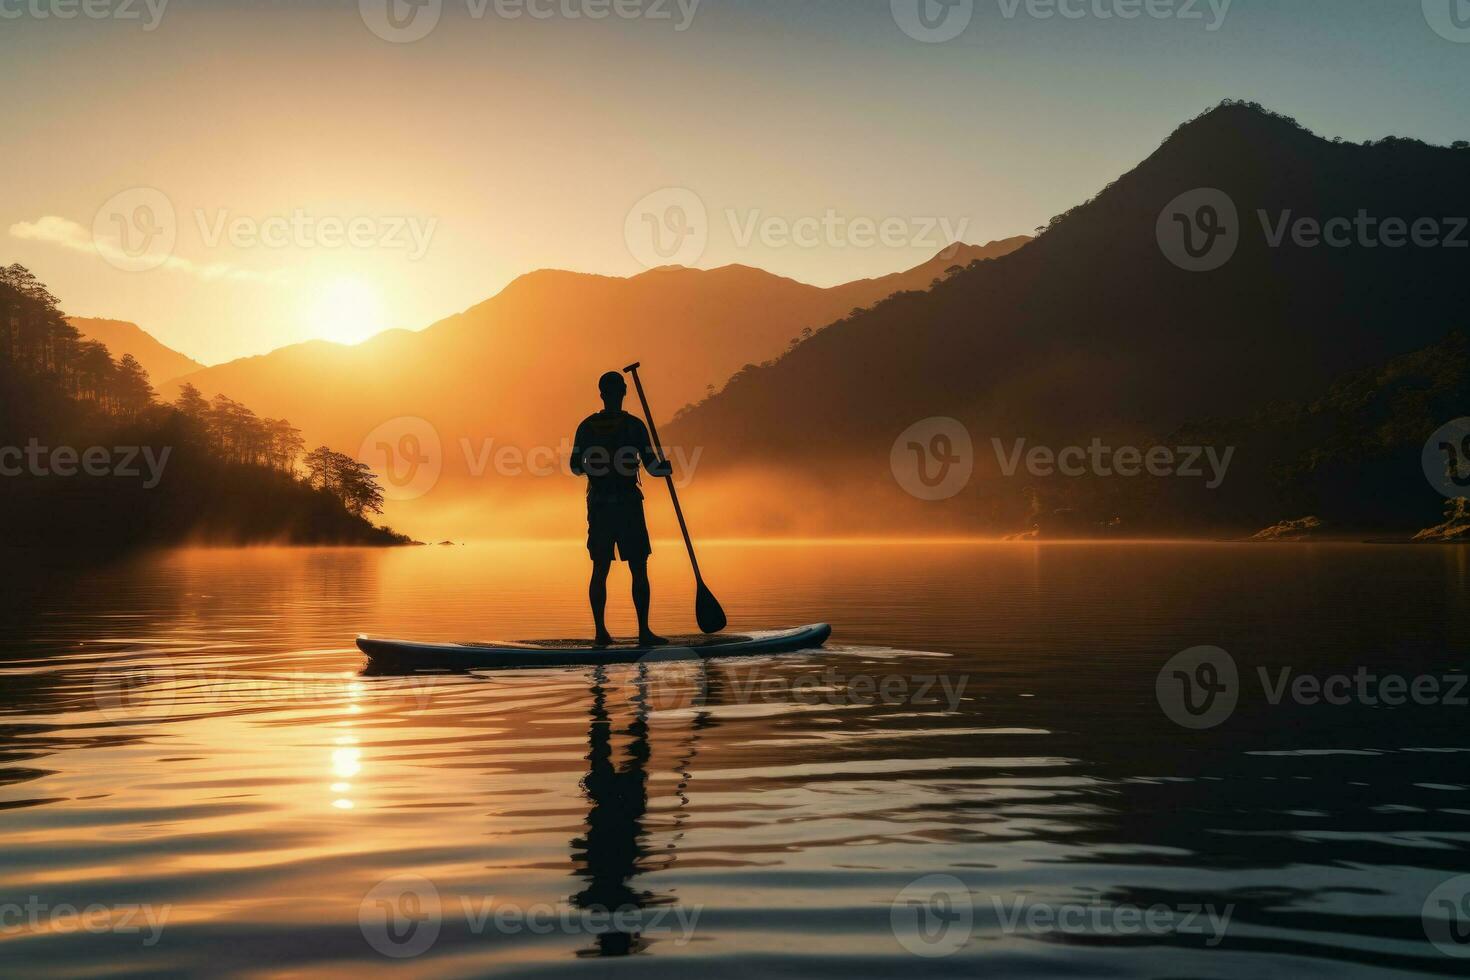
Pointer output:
x,y
734,314
521,367
921,277
162,363
1092,331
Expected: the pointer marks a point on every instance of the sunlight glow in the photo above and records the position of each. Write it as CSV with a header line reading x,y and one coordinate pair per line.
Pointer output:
x,y
347,310
345,762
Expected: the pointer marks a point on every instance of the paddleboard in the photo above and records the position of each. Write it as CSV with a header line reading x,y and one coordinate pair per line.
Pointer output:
x,y
563,653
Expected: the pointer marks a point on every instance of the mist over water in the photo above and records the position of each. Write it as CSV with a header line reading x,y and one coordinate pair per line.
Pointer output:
x,y
192,733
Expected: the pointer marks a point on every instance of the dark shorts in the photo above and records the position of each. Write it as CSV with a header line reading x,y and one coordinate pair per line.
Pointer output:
x,y
617,524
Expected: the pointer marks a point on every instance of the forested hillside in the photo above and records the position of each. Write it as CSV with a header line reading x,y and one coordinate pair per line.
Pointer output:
x,y
90,457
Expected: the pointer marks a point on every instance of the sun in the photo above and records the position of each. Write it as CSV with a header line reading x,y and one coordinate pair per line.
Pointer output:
x,y
347,310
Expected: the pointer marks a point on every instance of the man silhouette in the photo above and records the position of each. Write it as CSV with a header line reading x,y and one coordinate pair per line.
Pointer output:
x,y
608,449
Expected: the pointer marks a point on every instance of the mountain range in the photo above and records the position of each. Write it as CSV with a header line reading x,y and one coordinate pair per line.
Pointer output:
x,y
1093,330
162,363
498,367
521,368
1246,263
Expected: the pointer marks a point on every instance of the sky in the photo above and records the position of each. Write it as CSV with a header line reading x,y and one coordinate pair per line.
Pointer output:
x,y
237,176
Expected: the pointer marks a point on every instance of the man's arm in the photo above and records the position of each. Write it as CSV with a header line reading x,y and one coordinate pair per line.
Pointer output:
x,y
651,462
579,467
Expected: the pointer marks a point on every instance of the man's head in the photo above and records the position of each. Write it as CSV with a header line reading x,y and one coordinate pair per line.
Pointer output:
x,y
613,388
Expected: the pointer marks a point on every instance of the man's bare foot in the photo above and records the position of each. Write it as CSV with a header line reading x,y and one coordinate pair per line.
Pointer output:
x,y
651,640
604,640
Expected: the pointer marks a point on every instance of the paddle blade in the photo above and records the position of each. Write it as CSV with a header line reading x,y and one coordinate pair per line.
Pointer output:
x,y
707,611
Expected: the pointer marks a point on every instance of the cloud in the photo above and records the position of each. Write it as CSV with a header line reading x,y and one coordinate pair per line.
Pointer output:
x,y
55,230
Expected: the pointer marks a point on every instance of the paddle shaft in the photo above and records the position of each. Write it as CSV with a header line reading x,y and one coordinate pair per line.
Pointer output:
x,y
658,448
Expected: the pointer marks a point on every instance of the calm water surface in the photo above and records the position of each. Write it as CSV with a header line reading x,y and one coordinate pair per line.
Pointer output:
x,y
193,759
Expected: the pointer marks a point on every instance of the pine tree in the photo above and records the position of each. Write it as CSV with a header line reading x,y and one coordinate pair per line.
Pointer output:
x,y
131,388
192,405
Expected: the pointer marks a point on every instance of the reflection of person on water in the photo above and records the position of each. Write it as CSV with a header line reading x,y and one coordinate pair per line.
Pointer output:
x,y
608,449
615,848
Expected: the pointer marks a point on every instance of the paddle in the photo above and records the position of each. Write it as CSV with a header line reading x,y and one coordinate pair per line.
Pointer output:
x,y
707,611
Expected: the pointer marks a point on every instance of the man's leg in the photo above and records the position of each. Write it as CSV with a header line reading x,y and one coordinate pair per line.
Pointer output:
x,y
597,593
642,599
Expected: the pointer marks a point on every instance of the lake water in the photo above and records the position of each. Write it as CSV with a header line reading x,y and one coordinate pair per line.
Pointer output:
x,y
979,777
